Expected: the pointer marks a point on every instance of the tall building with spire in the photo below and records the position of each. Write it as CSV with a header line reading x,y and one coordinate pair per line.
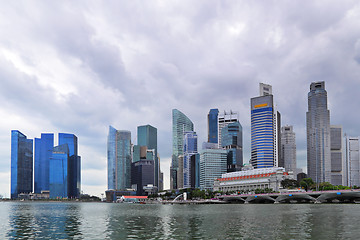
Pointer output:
x,y
180,124
265,130
318,134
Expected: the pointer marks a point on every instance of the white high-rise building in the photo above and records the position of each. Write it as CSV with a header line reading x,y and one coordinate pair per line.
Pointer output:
x,y
223,120
288,148
352,163
336,155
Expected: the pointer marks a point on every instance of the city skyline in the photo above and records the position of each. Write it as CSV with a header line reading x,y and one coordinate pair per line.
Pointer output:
x,y
80,69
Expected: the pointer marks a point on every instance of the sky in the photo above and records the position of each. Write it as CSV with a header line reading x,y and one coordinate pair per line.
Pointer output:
x,y
80,66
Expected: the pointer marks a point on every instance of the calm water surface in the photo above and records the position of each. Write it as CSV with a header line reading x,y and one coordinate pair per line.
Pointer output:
x,y
21,220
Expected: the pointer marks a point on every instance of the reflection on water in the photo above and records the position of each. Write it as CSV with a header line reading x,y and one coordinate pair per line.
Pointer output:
x,y
50,220
34,220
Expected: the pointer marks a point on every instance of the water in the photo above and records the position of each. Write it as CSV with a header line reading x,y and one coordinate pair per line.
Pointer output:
x,y
52,220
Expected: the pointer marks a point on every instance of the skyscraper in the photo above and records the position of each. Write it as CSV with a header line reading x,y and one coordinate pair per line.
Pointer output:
x,y
119,159
231,136
21,164
352,164
74,164
212,164
142,174
213,125
190,148
58,181
43,152
147,136
337,163
288,148
318,134
265,130
223,120
72,142
180,124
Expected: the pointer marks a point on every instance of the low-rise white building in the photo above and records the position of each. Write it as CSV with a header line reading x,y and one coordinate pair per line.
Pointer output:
x,y
250,180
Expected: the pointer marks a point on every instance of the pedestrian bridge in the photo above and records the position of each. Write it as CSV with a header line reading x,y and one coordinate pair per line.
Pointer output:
x,y
340,196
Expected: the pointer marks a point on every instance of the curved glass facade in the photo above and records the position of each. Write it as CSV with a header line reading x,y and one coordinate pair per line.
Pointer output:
x,y
180,124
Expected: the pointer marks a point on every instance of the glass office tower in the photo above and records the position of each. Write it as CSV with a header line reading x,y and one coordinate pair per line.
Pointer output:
x,y
43,152
147,136
74,164
231,136
318,134
213,125
119,159
74,176
190,148
180,124
71,141
288,148
223,120
21,164
212,165
265,130
59,172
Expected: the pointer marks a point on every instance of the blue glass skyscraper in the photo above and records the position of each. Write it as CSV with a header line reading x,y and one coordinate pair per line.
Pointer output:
x,y
59,172
213,125
43,152
190,148
21,164
180,124
71,141
119,159
265,130
231,140
74,164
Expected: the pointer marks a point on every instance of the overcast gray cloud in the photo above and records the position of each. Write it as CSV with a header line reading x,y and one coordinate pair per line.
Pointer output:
x,y
80,66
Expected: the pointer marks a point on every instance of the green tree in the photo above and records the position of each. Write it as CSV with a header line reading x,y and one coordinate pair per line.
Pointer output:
x,y
306,183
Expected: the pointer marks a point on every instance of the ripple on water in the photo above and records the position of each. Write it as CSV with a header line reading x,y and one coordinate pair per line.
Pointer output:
x,y
132,221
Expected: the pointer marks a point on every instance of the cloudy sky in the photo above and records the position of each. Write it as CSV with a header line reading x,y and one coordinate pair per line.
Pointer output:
x,y
80,66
